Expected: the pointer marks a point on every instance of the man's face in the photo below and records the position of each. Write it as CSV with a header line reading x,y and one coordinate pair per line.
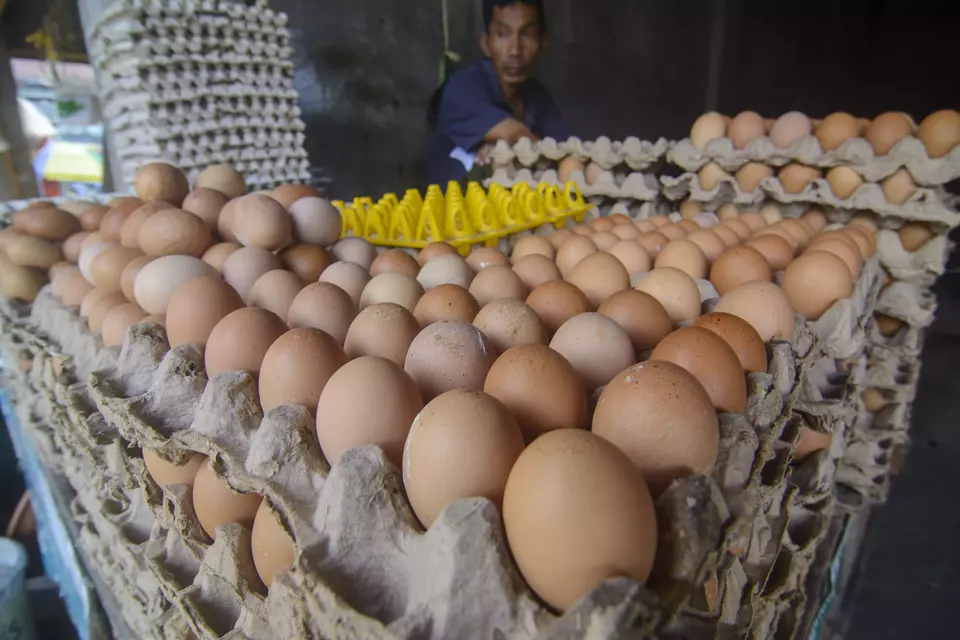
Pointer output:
x,y
513,42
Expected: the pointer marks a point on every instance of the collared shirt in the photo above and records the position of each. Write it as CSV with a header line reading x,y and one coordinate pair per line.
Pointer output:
x,y
473,103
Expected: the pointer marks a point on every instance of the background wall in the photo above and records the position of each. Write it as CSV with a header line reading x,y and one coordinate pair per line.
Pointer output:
x,y
366,68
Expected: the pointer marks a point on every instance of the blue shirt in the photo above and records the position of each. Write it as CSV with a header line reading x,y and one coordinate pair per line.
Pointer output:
x,y
473,103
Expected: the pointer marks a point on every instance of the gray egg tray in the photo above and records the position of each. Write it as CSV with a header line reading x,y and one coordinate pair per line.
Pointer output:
x,y
636,154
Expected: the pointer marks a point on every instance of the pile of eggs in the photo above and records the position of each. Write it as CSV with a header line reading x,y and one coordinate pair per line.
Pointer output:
x,y
939,132
569,383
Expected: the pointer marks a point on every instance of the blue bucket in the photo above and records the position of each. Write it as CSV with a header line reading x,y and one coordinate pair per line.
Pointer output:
x,y
16,623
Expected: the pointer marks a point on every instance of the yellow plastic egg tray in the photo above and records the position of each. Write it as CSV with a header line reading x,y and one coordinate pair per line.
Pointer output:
x,y
463,221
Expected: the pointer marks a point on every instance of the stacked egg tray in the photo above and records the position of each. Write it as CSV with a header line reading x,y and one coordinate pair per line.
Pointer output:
x,y
734,547
200,82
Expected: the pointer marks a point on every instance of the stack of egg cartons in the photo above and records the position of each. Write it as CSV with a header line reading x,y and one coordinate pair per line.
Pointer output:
x,y
200,82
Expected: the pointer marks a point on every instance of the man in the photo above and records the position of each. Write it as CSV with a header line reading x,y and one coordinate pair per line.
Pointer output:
x,y
495,99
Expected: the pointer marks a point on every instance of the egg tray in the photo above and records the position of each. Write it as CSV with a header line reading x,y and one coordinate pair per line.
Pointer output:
x,y
620,185
909,153
638,155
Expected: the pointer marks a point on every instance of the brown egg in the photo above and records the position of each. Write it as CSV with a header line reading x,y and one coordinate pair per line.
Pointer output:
x,y
287,194
596,346
675,290
844,181
865,240
102,306
28,251
899,187
260,221
559,237
216,503
130,230
708,243
645,226
128,277
206,204
709,126
297,366
836,129
347,419
106,269
593,173
796,230
888,325
21,283
384,330
217,255
48,223
74,288
709,359
914,235
60,281
738,265
392,286
483,257
275,291
796,177
740,336
566,168
774,248
350,277
940,132
533,245
395,260
556,302
568,535
56,268
850,255
89,301
462,445
271,545
866,220
789,128
640,315
433,250
245,266
240,340
816,218
71,246
196,307
750,175
448,355
174,232
727,235
873,400
887,130
446,302
223,178
355,250
599,276
764,306
92,239
111,226
225,220
161,181
166,472
626,232
315,221
323,306
814,281
745,127
685,256
508,322
604,240
688,210
662,418
810,441
117,320
572,252
754,221
497,282
653,242
91,216
728,211
535,269
306,260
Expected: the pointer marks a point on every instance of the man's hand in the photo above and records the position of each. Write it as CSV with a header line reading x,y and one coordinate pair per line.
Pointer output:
x,y
511,130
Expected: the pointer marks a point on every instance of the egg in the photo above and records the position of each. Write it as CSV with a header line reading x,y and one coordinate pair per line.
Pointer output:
x,y
887,130
462,445
60,281
323,306
899,187
940,132
306,260
384,330
626,232
296,368
709,359
567,167
738,265
535,269
744,127
764,306
711,175
795,229
260,221
28,251
777,251
688,210
685,256
72,245
350,277
556,302
599,276
223,178
653,242
483,257
102,306
662,418
130,230
646,226
395,260
355,250
434,249
814,281
532,245
596,346
315,221
572,252
849,254
113,328
672,231
888,326
165,472
593,173
245,266
106,268
675,290
816,218
709,126
770,212
844,181
640,315
604,240
448,355
111,226
240,341
392,286
22,283
48,223
796,177
158,279
196,307
446,302
913,235
559,237
866,242
708,242
88,253
74,287
728,211
288,194
445,269
836,129
89,301
216,503
128,277
789,128
750,175
576,512
161,181
632,256
91,216
347,419
206,204
740,336
508,322
497,282
271,545
873,400
92,239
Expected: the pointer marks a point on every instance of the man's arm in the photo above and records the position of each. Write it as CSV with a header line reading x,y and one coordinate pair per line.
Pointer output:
x,y
511,130
468,118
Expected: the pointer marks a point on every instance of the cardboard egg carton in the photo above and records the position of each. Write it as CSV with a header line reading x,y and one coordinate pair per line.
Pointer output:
x,y
633,186
636,154
856,153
